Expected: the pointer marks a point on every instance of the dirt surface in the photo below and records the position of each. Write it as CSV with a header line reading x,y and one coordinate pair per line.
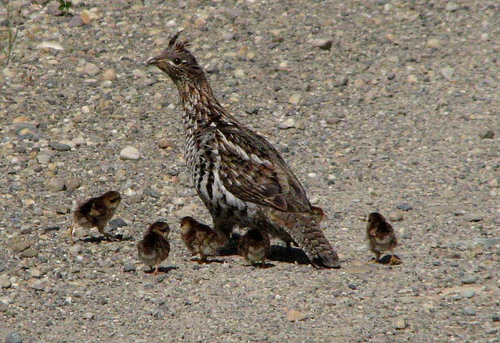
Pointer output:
x,y
383,106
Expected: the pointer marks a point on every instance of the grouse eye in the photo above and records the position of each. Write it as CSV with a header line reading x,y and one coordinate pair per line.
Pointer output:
x,y
177,61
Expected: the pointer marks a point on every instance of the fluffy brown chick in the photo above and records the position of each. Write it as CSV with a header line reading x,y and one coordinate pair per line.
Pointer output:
x,y
254,246
154,247
200,238
381,237
95,212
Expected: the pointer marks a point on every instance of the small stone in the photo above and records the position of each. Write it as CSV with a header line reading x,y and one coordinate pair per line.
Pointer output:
x,y
295,316
239,73
396,216
91,69
469,279
404,207
109,75
44,158
86,17
287,124
487,134
412,78
62,209
452,7
469,293
76,21
495,318
434,43
166,144
88,315
55,185
129,267
473,217
59,146
470,311
75,249
38,286
72,183
13,337
294,99
400,324
352,286
448,73
20,246
28,253
322,43
5,282
20,119
3,307
117,222
130,153
341,81
391,76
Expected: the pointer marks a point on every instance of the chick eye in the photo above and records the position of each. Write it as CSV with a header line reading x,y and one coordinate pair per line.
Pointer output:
x,y
177,61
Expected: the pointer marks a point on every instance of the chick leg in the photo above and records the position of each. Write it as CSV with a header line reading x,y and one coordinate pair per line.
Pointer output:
x,y
70,233
394,260
202,258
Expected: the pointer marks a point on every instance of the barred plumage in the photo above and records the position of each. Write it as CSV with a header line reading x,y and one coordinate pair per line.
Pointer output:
x,y
239,175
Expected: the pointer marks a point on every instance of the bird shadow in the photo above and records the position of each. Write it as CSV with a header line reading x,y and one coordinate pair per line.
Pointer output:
x,y
280,253
100,239
387,259
260,266
164,270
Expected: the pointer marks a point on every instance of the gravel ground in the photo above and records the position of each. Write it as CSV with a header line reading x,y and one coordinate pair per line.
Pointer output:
x,y
382,105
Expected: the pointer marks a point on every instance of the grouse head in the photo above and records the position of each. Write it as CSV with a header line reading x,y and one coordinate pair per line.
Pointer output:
x,y
178,62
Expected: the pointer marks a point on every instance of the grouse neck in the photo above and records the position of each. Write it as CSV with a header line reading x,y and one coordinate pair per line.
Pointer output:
x,y
200,105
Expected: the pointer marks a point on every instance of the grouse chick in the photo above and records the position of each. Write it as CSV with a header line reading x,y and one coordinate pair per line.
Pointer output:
x,y
254,246
200,238
95,212
381,237
154,247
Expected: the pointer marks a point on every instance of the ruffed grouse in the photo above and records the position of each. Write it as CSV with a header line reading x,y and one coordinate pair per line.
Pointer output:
x,y
255,246
239,175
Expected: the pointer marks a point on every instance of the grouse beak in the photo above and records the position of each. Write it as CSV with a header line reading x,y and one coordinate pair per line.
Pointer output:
x,y
153,61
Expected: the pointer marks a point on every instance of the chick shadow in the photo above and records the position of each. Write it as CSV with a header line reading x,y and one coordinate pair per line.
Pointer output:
x,y
163,270
100,239
278,253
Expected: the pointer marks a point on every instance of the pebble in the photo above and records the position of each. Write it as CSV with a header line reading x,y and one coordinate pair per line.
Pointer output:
x,y
13,337
38,286
75,249
400,324
130,153
109,75
473,217
91,69
117,222
294,99
76,21
452,7
448,73
287,124
341,81
59,146
86,17
88,315
469,279
72,183
295,316
21,246
396,216
239,73
322,43
404,207
487,134
470,311
5,282
434,43
44,158
31,252
129,267
165,144
412,78
55,185
469,293
3,307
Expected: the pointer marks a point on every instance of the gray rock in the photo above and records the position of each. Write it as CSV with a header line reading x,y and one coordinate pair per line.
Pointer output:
x,y
5,282
470,311
400,324
130,153
473,217
91,69
75,21
44,158
28,253
13,337
21,246
487,134
469,279
322,43
404,207
452,7
129,267
287,124
59,146
469,293
72,183
117,222
448,73
55,185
